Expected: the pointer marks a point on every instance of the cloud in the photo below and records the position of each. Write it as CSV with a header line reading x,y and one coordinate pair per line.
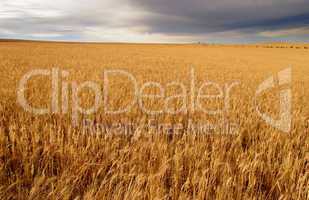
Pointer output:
x,y
204,16
154,20
58,18
286,32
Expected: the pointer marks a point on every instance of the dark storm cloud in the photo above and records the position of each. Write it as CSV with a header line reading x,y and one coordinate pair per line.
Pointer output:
x,y
155,20
207,16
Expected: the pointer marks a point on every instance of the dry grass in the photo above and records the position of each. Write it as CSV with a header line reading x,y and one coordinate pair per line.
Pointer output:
x,y
44,157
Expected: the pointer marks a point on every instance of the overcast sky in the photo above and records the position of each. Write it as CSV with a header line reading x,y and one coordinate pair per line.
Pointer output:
x,y
182,21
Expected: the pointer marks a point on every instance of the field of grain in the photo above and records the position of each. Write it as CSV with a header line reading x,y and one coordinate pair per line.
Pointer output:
x,y
47,157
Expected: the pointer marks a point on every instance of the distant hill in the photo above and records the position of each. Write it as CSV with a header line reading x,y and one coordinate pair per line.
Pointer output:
x,y
277,45
13,40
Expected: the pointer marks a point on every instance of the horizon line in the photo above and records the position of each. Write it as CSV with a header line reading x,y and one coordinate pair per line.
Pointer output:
x,y
150,43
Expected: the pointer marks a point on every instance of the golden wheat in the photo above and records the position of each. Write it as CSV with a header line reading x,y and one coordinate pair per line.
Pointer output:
x,y
46,157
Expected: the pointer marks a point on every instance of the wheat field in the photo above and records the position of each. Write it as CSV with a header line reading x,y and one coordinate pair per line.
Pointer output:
x,y
47,157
